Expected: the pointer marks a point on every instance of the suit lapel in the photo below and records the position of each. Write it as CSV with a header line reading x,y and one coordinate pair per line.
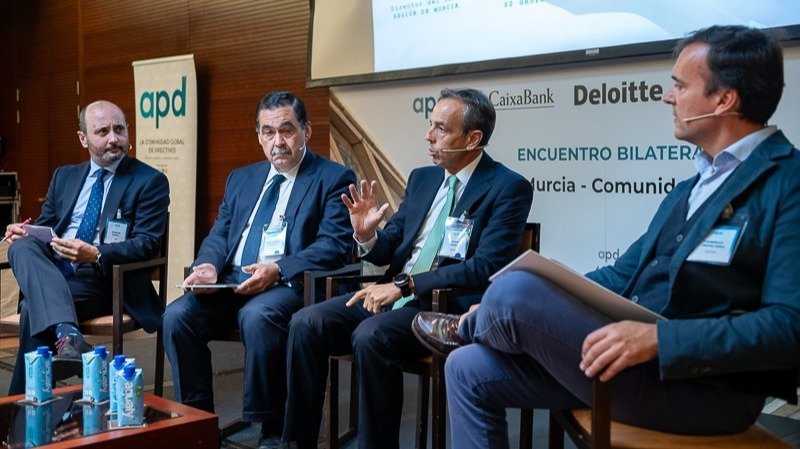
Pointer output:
x,y
479,183
740,180
302,183
419,207
248,196
71,190
122,178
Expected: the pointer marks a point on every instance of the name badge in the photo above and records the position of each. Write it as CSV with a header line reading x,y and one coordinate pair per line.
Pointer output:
x,y
116,229
457,232
273,241
718,247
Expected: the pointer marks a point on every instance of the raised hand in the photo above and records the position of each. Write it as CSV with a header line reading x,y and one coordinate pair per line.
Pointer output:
x,y
365,216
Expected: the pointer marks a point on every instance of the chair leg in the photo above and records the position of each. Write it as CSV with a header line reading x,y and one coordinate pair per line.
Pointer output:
x,y
333,403
158,382
526,429
423,396
439,406
556,434
352,424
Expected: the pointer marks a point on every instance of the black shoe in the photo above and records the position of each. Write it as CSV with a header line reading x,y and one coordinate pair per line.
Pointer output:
x,y
270,437
67,361
437,331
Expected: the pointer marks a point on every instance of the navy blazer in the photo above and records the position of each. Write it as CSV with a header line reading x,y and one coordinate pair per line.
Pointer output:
x,y
496,198
740,321
318,236
141,194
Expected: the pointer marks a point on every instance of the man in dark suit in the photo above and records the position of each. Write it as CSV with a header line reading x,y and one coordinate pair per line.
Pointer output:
x,y
109,210
719,261
487,205
278,218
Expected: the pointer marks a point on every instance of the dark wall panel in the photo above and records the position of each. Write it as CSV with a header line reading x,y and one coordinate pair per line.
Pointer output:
x,y
242,50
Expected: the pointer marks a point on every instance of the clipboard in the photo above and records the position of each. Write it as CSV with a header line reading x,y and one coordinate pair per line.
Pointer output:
x,y
209,286
580,287
43,233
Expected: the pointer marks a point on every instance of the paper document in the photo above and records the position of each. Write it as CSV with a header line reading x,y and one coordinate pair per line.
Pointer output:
x,y
43,233
582,288
217,286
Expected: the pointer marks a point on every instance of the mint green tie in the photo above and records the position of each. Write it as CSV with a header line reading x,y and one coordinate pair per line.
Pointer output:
x,y
431,247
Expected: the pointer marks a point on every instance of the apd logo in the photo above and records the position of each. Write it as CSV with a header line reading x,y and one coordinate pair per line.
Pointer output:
x,y
160,104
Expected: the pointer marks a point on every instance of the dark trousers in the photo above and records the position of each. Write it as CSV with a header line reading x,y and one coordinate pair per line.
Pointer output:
x,y
379,343
192,320
527,338
49,299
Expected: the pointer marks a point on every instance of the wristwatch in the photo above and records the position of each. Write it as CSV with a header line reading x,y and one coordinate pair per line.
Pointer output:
x,y
403,282
97,265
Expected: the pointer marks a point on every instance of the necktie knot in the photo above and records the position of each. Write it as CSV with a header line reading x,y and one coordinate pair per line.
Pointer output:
x,y
100,173
278,179
452,180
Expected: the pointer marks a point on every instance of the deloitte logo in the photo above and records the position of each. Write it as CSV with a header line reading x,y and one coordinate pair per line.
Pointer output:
x,y
159,104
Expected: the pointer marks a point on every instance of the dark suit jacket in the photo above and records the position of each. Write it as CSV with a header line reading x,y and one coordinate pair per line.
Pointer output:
x,y
496,198
141,194
743,318
319,235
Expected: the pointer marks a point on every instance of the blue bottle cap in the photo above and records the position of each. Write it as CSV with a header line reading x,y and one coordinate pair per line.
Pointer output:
x,y
130,370
119,361
43,351
100,350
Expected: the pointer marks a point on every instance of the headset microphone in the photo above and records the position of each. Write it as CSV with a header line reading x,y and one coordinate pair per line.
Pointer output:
x,y
457,150
713,114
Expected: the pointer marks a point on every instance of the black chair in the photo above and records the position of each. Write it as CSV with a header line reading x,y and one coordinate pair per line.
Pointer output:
x,y
430,370
119,323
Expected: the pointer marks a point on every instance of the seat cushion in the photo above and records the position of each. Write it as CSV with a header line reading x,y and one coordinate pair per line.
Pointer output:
x,y
625,436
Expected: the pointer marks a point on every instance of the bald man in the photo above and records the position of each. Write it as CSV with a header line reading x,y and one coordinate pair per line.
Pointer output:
x,y
109,210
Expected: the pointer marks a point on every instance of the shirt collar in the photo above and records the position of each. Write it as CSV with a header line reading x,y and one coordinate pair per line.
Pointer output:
x,y
739,150
465,173
291,174
93,167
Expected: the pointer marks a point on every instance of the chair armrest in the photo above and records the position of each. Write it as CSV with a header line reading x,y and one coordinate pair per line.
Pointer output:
x,y
441,296
310,278
5,266
334,283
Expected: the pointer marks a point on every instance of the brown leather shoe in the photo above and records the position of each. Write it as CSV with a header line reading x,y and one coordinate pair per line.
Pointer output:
x,y
437,331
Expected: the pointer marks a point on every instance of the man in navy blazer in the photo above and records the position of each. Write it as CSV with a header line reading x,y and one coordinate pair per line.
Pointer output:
x,y
719,261
375,323
315,236
69,279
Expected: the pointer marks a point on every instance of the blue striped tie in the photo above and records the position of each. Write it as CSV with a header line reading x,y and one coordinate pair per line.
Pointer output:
x,y
263,216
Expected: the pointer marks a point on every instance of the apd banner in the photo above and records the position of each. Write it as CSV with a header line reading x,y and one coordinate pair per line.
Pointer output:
x,y
166,138
596,143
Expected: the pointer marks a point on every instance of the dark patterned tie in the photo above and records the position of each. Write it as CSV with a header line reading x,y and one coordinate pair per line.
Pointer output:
x,y
92,212
263,217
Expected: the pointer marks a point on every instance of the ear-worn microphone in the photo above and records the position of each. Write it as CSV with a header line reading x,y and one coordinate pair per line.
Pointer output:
x,y
712,114
456,150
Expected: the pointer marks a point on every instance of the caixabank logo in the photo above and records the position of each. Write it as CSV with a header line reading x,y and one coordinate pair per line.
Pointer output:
x,y
506,99
159,104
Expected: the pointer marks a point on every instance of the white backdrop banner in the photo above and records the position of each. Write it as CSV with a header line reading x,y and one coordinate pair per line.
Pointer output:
x,y
166,138
596,143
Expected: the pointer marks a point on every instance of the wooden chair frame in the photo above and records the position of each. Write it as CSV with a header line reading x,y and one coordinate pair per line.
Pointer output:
x,y
430,370
118,323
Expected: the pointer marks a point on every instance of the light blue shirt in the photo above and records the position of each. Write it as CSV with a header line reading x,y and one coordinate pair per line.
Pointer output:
x,y
83,199
713,172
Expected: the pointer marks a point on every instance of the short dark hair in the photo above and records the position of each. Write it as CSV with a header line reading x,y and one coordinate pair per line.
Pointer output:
x,y
279,99
747,60
479,113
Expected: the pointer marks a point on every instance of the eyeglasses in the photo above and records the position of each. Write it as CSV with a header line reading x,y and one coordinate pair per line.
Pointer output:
x,y
270,133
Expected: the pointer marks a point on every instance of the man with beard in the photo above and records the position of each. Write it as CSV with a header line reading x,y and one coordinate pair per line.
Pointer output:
x,y
109,210
278,218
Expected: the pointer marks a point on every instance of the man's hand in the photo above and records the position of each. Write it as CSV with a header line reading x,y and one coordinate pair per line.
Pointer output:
x,y
463,316
616,346
264,276
205,273
75,250
364,213
376,297
16,231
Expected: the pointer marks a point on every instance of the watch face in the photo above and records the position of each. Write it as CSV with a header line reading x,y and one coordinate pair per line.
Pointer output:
x,y
400,279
